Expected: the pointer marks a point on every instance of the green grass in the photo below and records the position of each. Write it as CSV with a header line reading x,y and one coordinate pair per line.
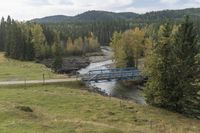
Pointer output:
x,y
17,70
68,108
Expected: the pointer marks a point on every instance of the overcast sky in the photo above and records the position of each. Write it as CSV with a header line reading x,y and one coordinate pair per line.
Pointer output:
x,y
28,9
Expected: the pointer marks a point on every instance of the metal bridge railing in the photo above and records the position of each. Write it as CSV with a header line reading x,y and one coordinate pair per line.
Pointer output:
x,y
110,74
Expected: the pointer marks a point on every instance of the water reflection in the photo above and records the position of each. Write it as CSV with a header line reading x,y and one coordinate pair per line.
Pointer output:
x,y
117,89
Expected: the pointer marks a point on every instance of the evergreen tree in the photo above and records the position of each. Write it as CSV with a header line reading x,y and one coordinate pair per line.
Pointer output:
x,y
29,52
162,80
2,34
17,42
8,41
58,61
185,51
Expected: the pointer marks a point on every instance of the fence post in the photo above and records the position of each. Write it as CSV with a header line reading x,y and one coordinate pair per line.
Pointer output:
x,y
25,83
43,78
76,76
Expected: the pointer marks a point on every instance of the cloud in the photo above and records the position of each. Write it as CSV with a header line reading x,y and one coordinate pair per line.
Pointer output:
x,y
99,5
198,1
28,9
169,1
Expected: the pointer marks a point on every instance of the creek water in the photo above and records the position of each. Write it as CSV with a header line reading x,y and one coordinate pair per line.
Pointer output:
x,y
114,88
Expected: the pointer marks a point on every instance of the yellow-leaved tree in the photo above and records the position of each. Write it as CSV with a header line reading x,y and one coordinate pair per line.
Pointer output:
x,y
128,47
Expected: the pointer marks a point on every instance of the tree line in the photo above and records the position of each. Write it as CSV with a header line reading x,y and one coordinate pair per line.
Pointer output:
x,y
103,30
172,63
30,41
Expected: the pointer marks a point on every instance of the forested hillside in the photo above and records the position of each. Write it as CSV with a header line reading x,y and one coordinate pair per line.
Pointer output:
x,y
103,24
93,16
168,14
89,16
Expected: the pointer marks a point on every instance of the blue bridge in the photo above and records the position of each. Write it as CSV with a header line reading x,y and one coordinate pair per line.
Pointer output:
x,y
112,74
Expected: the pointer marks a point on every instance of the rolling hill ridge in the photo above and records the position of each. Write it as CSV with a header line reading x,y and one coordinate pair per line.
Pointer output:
x,y
92,16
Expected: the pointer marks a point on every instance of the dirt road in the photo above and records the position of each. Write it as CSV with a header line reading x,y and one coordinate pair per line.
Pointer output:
x,y
38,81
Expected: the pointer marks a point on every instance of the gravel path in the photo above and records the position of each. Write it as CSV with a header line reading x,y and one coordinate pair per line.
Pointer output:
x,y
38,81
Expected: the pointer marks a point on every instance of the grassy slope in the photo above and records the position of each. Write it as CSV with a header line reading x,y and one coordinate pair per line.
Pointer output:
x,y
64,107
17,70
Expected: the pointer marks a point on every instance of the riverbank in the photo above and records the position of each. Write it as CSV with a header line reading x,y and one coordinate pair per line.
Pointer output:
x,y
68,107
72,64
118,90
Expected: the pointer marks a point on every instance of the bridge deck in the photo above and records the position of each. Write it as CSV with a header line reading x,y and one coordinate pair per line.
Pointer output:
x,y
112,74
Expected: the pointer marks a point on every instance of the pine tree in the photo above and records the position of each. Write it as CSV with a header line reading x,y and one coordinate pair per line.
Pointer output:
x,y
2,34
29,49
58,61
185,51
162,80
17,42
8,41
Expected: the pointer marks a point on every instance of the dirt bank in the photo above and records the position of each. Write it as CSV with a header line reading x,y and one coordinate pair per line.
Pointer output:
x,y
72,64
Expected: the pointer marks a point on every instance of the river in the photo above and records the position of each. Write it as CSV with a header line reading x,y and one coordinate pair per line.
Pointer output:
x,y
112,88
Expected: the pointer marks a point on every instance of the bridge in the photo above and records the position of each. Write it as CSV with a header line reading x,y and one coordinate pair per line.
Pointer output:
x,y
112,74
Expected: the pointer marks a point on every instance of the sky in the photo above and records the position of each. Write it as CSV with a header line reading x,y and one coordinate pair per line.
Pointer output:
x,y
29,9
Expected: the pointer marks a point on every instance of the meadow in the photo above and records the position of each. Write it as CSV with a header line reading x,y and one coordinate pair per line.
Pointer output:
x,y
69,108
14,70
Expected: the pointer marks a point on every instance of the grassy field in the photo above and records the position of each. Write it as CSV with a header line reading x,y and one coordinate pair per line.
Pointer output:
x,y
68,108
11,70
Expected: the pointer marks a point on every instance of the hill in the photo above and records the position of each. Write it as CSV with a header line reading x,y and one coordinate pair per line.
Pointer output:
x,y
91,16
53,19
169,14
87,17
104,16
